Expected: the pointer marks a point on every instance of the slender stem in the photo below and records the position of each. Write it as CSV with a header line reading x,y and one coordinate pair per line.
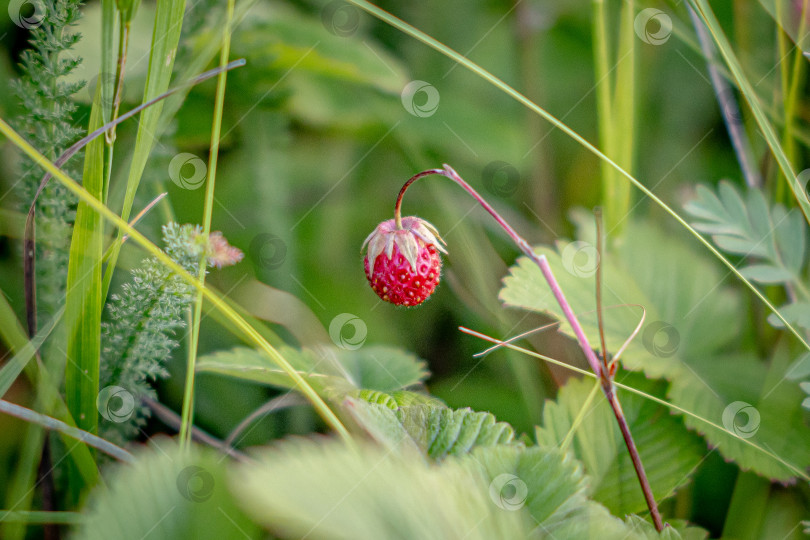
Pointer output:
x,y
216,129
600,247
729,108
636,459
539,260
603,375
414,178
123,46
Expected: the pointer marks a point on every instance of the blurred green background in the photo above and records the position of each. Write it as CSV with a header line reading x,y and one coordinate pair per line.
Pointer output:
x,y
318,139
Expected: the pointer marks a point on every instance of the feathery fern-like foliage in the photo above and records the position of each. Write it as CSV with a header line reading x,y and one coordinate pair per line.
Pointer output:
x,y
47,121
139,333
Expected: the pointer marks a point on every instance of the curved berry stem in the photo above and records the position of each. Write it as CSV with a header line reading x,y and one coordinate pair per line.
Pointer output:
x,y
604,375
411,180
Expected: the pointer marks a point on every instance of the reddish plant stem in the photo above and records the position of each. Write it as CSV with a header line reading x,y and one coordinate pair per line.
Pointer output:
x,y
541,261
613,399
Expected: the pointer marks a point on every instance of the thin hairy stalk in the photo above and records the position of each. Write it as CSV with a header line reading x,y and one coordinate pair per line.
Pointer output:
x,y
557,323
123,48
221,305
796,470
276,404
604,375
213,155
174,421
523,100
729,108
52,423
600,253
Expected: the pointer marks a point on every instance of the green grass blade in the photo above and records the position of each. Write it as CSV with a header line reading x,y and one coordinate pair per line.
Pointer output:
x,y
83,302
24,351
165,37
523,100
208,210
723,45
248,331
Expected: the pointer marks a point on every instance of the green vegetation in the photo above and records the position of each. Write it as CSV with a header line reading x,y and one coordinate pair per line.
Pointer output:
x,y
189,346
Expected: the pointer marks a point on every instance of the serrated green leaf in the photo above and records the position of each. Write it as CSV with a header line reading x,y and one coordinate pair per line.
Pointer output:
x,y
752,229
442,432
797,313
330,370
677,529
790,238
437,431
740,246
325,489
687,313
551,486
765,273
729,391
397,399
800,368
668,451
165,494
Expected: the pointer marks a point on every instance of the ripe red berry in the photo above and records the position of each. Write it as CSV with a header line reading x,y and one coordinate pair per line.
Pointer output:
x,y
403,265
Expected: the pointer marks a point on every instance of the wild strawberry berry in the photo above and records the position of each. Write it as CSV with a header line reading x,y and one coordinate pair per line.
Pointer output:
x,y
403,265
